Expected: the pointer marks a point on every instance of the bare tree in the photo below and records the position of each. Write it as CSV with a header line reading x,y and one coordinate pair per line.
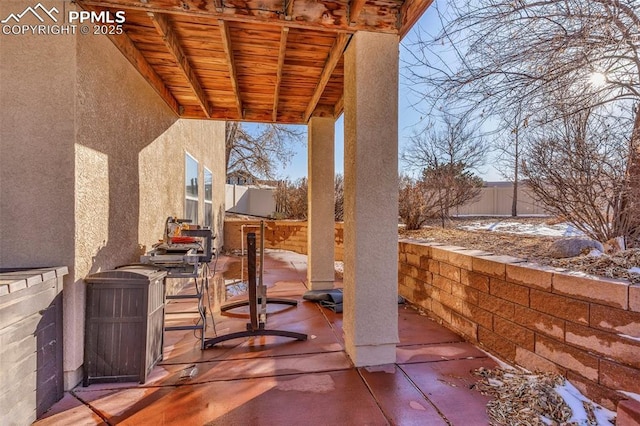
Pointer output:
x,y
578,170
416,203
292,199
451,185
450,141
446,156
495,55
258,151
339,198
509,148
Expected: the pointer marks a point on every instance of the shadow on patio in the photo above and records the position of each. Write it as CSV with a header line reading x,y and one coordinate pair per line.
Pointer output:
x,y
276,380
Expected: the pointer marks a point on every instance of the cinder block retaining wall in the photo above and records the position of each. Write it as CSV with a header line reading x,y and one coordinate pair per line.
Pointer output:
x,y
279,234
546,319
30,343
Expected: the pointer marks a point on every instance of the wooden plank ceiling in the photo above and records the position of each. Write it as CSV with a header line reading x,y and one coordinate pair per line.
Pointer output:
x,y
250,60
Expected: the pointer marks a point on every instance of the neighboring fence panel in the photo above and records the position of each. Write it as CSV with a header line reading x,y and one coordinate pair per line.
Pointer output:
x,y
250,200
496,199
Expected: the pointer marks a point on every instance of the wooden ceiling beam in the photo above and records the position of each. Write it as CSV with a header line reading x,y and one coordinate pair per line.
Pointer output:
x,y
233,74
339,107
288,11
330,64
163,26
355,7
314,14
281,54
410,12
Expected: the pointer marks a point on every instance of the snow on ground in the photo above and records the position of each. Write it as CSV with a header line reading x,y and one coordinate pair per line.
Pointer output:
x,y
631,395
541,229
575,399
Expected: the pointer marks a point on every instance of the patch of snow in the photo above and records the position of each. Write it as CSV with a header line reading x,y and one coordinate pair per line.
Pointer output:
x,y
634,270
501,363
595,253
546,420
571,231
495,382
558,230
574,399
626,336
631,395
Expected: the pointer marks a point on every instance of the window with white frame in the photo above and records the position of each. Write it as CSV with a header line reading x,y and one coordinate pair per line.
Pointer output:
x,y
208,198
191,189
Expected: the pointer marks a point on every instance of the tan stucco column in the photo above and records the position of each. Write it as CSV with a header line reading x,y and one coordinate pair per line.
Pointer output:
x,y
321,228
371,198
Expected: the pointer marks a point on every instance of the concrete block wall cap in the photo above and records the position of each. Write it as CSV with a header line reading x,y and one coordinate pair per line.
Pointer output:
x,y
628,413
536,266
502,258
583,275
451,248
634,298
418,242
606,291
474,252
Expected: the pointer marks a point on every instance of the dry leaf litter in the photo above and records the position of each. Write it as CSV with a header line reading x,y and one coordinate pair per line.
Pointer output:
x,y
525,399
533,248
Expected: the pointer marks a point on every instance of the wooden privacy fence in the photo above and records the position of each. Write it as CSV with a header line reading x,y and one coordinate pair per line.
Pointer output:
x,y
496,199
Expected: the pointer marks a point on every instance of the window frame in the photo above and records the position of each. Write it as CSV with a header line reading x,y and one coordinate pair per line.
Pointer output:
x,y
189,197
208,198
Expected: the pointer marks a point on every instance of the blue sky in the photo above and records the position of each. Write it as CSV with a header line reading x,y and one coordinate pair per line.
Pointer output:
x,y
409,118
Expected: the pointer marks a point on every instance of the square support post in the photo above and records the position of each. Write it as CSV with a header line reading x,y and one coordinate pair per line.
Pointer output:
x,y
371,198
321,224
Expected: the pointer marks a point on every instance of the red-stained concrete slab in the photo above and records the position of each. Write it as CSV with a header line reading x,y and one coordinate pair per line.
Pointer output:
x,y
314,399
183,374
70,411
277,380
447,384
437,352
415,329
399,399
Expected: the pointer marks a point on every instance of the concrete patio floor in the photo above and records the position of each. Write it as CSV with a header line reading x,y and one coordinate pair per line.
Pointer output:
x,y
280,381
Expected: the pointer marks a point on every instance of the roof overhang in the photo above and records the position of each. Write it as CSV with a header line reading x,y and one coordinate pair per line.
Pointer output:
x,y
273,61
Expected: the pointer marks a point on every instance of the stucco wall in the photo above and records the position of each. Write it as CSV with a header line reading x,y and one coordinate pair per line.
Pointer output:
x,y
37,127
162,176
91,163
545,319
